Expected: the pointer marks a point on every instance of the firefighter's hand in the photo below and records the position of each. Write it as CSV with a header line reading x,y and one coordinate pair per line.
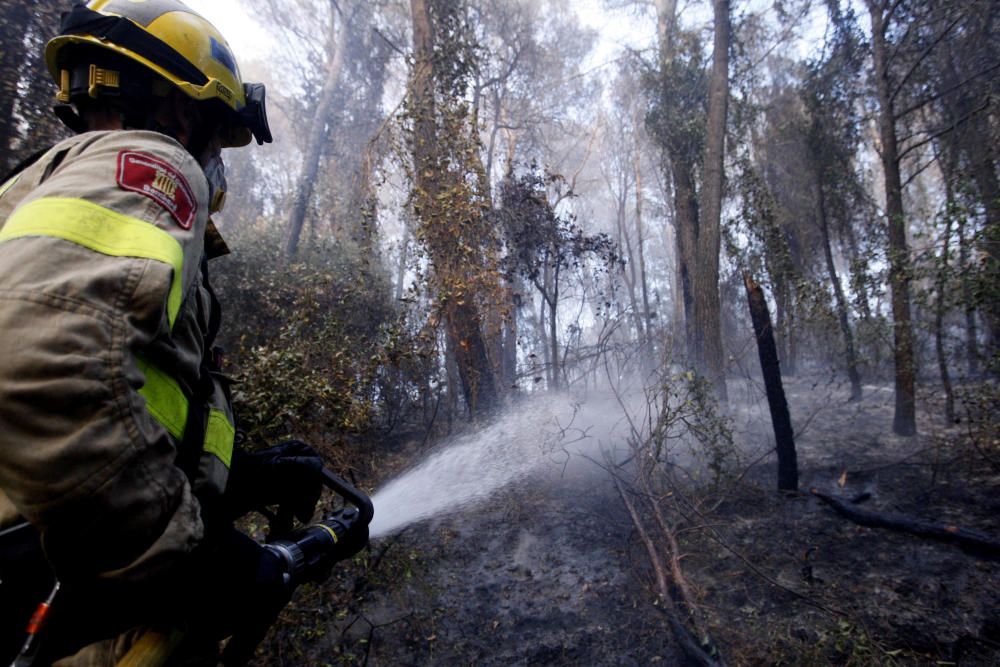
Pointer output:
x,y
288,474
236,584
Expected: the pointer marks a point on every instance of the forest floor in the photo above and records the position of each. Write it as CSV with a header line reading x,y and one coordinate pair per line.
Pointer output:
x,y
551,572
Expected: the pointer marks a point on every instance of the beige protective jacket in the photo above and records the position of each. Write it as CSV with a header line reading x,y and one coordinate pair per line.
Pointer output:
x,y
103,325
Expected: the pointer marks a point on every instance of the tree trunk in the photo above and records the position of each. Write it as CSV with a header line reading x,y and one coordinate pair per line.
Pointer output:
x,y
676,327
640,242
666,25
553,303
686,224
685,196
543,332
969,140
953,147
939,311
510,334
554,346
784,437
317,139
630,276
838,292
985,175
457,297
971,330
708,334
12,60
905,418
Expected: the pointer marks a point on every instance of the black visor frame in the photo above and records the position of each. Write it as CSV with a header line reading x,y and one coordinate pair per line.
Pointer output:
x,y
254,114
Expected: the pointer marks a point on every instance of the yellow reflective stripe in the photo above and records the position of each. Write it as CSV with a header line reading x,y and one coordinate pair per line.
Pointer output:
x,y
219,436
8,185
102,230
166,402
165,399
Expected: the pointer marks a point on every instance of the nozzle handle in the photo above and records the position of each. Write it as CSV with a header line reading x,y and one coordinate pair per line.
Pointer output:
x,y
351,494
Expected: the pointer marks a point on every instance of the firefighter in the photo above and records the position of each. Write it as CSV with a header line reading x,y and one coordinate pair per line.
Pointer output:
x,y
116,430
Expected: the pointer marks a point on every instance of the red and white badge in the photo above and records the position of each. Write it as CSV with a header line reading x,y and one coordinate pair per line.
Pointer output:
x,y
154,178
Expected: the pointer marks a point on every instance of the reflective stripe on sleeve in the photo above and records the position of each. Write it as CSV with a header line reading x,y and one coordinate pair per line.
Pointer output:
x,y
166,402
101,230
165,399
219,436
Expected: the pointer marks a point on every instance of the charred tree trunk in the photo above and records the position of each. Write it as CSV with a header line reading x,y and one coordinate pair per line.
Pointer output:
x,y
972,541
316,141
784,437
838,292
707,306
905,418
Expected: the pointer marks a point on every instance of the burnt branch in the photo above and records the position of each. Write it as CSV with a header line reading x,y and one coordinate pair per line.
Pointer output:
x,y
969,540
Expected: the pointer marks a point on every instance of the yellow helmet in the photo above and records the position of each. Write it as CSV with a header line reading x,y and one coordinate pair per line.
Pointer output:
x,y
164,37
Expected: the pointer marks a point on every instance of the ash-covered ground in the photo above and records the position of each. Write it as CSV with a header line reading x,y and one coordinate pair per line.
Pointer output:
x,y
550,571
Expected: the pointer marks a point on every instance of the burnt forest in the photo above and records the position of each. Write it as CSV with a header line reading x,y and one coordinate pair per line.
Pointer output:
x,y
659,332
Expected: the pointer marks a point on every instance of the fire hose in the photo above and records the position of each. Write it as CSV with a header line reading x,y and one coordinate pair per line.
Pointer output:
x,y
306,554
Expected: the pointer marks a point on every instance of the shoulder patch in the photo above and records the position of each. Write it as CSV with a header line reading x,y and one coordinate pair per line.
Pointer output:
x,y
154,178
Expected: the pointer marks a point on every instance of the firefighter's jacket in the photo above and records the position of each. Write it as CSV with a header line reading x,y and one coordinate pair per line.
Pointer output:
x,y
104,320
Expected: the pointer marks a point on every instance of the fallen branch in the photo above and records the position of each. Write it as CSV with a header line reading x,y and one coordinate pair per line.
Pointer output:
x,y
688,643
972,541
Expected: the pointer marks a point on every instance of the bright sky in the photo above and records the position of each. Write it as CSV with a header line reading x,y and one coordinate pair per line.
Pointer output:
x,y
250,40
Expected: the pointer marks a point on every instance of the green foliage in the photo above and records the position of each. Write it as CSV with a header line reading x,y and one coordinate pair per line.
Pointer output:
x,y
685,417
316,345
678,94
